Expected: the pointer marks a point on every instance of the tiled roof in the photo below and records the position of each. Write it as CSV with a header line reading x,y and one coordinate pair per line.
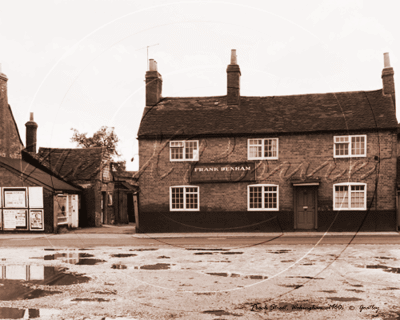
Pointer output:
x,y
73,163
36,174
356,110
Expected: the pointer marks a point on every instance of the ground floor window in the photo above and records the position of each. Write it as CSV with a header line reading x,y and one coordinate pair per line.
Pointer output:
x,y
263,197
350,196
184,198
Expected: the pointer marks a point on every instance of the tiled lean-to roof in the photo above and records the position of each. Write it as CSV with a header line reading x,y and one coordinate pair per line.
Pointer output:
x,y
73,163
358,110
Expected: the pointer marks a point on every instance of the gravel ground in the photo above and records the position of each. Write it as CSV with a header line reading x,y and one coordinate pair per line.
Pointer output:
x,y
262,282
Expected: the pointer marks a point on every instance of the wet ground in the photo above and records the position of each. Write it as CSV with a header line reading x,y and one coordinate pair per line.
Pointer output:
x,y
260,282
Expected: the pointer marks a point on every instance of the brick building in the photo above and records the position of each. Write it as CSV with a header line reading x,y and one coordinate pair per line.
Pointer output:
x,y
107,198
31,197
281,163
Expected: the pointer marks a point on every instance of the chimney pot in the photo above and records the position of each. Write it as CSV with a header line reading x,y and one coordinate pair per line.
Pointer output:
x,y
233,56
153,65
31,116
386,60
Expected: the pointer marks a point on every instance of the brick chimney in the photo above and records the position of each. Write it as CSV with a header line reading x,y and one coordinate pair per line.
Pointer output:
x,y
233,73
153,84
31,130
387,78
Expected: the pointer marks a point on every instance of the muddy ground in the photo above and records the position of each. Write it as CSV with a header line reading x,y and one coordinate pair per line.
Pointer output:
x,y
259,282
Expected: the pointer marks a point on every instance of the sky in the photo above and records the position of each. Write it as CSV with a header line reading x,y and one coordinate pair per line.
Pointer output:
x,y
82,64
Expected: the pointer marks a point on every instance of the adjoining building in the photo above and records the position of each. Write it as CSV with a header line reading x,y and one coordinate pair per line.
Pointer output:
x,y
276,163
105,200
31,198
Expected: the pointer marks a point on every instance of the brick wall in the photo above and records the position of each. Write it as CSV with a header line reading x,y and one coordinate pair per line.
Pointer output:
x,y
302,156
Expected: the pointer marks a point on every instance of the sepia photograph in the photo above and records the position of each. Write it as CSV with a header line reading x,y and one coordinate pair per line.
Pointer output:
x,y
198,159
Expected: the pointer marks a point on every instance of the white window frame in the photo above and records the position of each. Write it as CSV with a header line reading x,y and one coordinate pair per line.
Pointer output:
x,y
263,197
263,157
184,198
349,185
350,146
195,152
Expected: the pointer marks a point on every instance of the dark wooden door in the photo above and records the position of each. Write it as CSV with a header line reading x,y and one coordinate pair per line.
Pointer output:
x,y
305,207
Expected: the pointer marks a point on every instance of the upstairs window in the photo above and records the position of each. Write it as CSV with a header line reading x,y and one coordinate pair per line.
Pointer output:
x,y
350,146
185,150
263,197
259,149
350,196
184,198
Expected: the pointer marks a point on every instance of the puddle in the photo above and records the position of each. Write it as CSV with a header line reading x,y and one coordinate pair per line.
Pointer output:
x,y
280,251
157,266
200,249
105,292
118,266
231,252
221,313
355,290
295,286
220,274
200,253
74,258
391,288
306,277
357,285
16,281
143,249
384,268
123,255
163,257
91,299
287,260
16,313
344,299
256,277
329,291
235,275
385,258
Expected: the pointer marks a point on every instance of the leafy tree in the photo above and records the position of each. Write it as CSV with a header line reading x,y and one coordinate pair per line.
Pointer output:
x,y
104,137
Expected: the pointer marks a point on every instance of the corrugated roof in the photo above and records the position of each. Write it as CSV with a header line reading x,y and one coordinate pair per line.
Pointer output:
x,y
32,172
358,110
73,163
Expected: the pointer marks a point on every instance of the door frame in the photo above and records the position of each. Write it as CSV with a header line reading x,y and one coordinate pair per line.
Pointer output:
x,y
314,187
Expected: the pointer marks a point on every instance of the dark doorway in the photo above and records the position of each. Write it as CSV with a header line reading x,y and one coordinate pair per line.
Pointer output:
x,y
131,211
305,206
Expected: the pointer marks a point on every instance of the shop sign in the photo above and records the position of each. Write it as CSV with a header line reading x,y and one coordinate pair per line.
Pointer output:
x,y
15,198
223,172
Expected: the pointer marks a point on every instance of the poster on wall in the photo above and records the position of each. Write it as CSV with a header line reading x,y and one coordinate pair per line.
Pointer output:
x,y
15,198
20,218
36,219
9,221
35,197
14,218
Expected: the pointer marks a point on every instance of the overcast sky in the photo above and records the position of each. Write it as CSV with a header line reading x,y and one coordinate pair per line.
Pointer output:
x,y
81,64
